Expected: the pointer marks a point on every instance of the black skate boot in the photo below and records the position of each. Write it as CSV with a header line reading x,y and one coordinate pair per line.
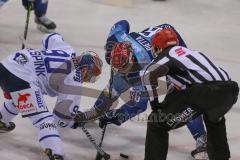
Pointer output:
x,y
200,153
44,24
48,152
6,127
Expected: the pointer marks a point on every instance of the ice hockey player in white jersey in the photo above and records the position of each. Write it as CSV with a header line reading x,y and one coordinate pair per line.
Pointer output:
x,y
27,75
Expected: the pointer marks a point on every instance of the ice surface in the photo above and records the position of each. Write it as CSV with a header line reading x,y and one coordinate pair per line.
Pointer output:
x,y
209,26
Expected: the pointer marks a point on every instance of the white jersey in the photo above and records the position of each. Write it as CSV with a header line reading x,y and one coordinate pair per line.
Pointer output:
x,y
49,69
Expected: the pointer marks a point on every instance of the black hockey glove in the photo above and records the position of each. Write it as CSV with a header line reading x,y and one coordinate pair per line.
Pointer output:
x,y
111,117
28,4
155,105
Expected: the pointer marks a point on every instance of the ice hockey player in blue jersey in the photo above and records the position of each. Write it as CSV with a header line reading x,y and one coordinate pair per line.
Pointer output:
x,y
122,81
27,75
44,24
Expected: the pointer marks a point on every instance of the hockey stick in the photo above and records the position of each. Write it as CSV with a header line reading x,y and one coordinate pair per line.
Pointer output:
x,y
98,148
98,156
26,24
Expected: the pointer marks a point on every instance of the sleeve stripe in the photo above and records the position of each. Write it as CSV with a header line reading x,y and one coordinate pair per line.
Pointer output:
x,y
42,119
9,110
163,61
47,39
49,136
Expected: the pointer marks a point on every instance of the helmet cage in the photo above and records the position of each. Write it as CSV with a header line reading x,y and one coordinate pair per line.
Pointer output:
x,y
121,56
92,64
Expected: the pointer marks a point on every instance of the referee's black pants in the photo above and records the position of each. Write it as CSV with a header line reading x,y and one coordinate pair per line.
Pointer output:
x,y
212,99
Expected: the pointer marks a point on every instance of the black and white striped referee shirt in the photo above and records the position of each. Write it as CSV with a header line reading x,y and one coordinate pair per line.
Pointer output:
x,y
183,67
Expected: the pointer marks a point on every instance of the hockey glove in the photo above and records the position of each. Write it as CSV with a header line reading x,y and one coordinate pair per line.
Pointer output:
x,y
79,117
78,125
28,4
155,105
112,117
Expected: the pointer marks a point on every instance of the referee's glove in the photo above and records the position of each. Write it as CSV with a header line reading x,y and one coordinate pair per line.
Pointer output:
x,y
155,105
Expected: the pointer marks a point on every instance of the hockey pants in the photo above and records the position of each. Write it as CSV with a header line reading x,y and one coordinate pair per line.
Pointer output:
x,y
212,99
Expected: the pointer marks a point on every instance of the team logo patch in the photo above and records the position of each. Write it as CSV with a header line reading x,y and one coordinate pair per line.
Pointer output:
x,y
20,58
24,105
29,101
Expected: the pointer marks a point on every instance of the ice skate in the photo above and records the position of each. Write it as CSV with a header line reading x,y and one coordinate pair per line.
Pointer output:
x,y
6,127
200,153
44,24
48,152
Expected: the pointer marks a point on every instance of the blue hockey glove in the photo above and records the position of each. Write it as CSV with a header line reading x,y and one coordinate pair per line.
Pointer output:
x,y
112,117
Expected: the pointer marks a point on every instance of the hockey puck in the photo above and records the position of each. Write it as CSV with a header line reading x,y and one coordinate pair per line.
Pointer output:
x,y
123,155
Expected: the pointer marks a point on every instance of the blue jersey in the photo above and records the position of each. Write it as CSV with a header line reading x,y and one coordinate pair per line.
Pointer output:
x,y
142,52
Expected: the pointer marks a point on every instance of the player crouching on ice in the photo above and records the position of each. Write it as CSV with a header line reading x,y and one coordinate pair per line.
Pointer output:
x,y
28,74
205,89
128,53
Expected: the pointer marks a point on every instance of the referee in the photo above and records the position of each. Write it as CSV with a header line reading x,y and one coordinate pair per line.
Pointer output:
x,y
200,87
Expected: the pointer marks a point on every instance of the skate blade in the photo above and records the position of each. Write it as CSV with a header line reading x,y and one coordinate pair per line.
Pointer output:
x,y
3,131
44,29
201,156
119,3
119,157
